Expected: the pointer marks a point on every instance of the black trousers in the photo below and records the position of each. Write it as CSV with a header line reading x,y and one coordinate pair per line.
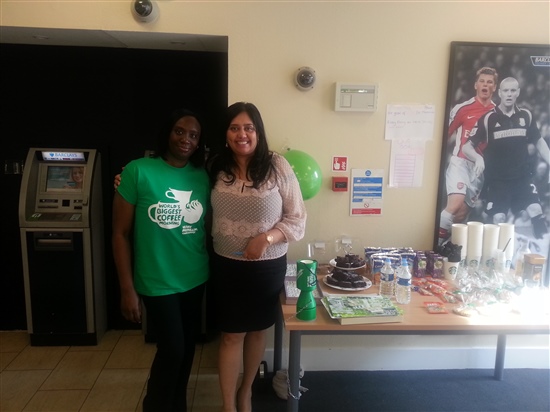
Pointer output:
x,y
176,320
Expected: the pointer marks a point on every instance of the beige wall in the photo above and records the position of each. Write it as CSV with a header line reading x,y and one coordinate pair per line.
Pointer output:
x,y
402,46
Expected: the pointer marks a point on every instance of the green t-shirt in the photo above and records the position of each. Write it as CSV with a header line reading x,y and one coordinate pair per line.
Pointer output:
x,y
169,234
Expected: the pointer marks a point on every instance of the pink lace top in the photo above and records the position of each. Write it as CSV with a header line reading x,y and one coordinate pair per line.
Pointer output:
x,y
242,212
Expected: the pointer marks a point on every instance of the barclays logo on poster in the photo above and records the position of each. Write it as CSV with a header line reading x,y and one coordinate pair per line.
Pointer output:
x,y
540,61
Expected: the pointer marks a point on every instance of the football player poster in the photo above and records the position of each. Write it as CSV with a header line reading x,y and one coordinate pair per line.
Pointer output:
x,y
495,153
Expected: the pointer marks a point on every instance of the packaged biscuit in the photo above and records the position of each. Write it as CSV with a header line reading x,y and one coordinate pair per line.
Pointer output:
x,y
465,310
410,255
419,265
369,252
435,307
437,272
377,264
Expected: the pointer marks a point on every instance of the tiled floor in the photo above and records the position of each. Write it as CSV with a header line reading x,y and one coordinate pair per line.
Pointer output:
x,y
108,377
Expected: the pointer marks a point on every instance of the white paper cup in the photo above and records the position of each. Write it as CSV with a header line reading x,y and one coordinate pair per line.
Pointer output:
x,y
450,269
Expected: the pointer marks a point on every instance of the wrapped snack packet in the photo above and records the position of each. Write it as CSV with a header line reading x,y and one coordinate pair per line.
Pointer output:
x,y
424,291
440,282
447,298
465,310
432,287
435,307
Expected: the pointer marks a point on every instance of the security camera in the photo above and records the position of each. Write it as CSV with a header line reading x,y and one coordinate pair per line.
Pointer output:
x,y
145,11
305,78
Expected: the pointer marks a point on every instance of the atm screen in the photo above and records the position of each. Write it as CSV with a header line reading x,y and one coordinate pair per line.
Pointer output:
x,y
66,178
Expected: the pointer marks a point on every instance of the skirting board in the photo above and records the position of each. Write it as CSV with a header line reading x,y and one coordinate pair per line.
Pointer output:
x,y
320,359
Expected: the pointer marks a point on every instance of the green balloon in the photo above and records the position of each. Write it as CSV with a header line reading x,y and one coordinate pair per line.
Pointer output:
x,y
307,172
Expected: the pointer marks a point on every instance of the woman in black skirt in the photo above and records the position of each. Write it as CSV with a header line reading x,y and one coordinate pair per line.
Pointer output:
x,y
257,210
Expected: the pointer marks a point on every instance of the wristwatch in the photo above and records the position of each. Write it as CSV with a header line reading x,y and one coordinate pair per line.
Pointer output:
x,y
269,238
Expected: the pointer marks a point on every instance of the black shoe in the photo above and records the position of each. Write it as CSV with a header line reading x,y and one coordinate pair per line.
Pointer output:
x,y
539,226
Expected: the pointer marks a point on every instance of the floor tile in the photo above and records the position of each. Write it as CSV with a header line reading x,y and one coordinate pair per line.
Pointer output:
x,y
18,387
38,357
133,332
195,367
110,376
107,342
139,407
57,401
209,358
192,381
13,341
6,358
132,352
207,390
190,396
116,390
77,370
207,408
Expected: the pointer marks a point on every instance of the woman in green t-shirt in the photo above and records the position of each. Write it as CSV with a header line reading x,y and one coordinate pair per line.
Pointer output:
x,y
159,246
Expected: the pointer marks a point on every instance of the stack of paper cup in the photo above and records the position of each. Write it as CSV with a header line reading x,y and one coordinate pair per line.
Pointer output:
x,y
459,236
475,244
506,242
490,244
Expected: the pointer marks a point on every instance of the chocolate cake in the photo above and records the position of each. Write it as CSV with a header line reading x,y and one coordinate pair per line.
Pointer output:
x,y
346,279
349,261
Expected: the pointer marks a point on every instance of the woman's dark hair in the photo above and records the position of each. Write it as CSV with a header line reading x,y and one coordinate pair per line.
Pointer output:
x,y
197,158
260,166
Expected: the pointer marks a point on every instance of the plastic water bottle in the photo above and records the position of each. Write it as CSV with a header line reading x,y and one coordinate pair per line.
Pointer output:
x,y
403,287
386,279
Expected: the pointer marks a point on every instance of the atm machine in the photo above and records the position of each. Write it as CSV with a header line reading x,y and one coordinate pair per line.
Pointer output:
x,y
62,241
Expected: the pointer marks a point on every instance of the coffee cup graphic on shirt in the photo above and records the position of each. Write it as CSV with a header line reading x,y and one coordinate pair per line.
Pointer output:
x,y
191,211
166,215
182,196
170,215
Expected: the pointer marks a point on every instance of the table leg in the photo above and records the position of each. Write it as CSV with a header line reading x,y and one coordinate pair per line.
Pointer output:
x,y
294,371
499,360
278,343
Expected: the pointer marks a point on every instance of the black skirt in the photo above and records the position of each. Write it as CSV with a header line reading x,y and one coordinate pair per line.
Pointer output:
x,y
246,293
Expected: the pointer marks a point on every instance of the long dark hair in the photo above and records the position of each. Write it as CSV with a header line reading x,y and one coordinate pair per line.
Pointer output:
x,y
197,158
260,166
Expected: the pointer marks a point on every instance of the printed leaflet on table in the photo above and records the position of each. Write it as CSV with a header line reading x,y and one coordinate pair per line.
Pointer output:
x,y
358,309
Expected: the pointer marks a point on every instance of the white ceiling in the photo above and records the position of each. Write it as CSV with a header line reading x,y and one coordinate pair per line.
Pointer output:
x,y
105,38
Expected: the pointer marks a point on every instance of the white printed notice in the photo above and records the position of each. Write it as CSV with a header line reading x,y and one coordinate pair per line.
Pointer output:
x,y
408,126
410,121
406,163
366,192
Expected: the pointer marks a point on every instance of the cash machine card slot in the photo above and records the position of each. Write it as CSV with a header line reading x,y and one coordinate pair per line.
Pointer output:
x,y
48,203
53,241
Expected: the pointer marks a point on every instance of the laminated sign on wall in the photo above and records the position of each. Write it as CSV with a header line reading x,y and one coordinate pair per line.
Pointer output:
x,y
366,192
